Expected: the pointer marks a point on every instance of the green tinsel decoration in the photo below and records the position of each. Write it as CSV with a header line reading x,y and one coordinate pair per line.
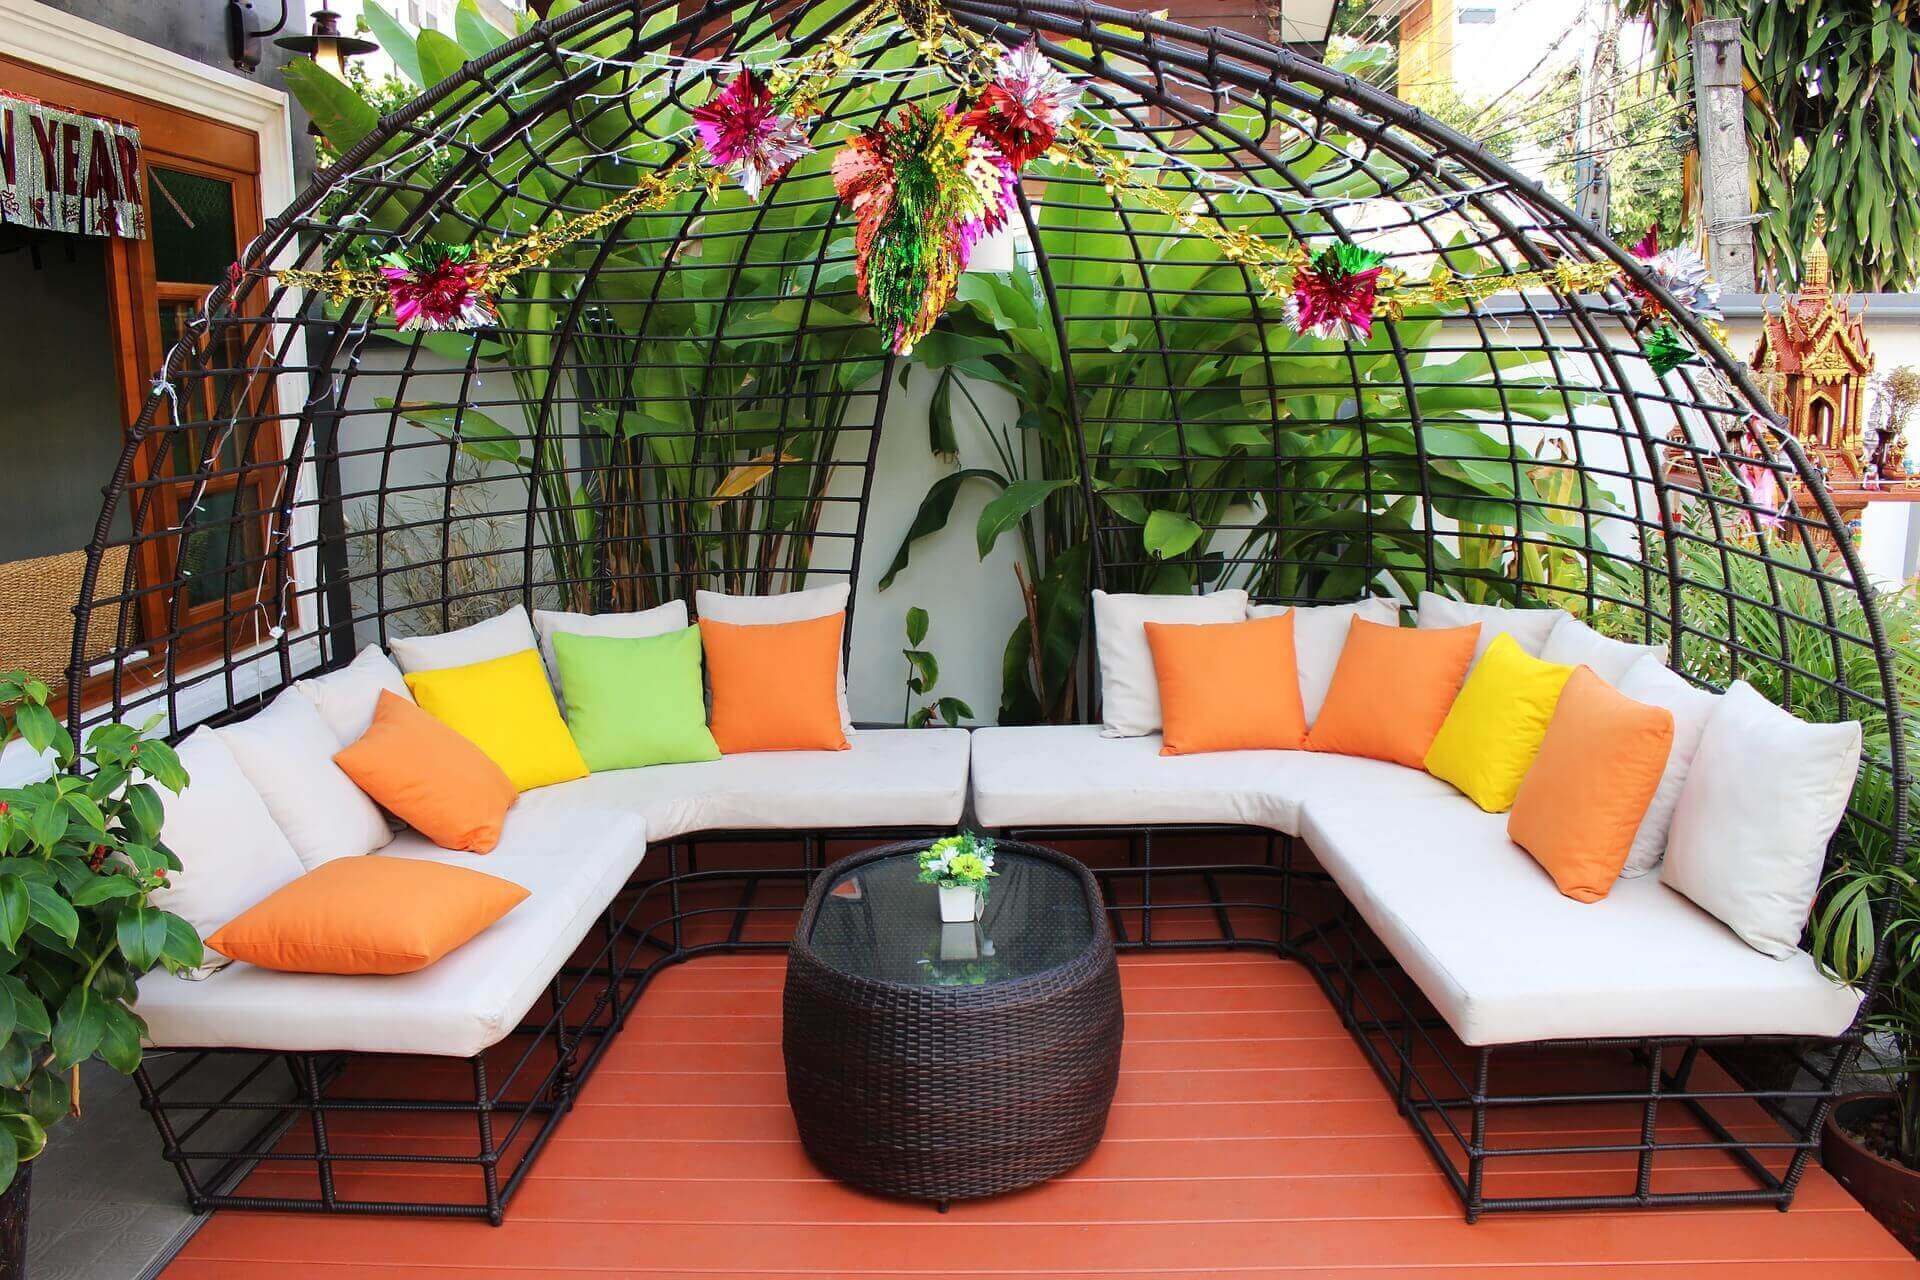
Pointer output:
x,y
1667,350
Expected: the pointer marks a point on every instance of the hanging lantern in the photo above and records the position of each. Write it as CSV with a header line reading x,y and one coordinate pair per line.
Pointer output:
x,y
924,188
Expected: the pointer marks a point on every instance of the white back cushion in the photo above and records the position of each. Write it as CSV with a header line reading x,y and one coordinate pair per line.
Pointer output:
x,y
1573,643
1129,691
286,753
657,621
1650,681
1319,634
231,853
1529,627
497,637
790,606
346,698
1750,834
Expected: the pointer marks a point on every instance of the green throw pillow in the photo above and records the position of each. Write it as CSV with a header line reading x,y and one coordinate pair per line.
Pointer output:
x,y
634,701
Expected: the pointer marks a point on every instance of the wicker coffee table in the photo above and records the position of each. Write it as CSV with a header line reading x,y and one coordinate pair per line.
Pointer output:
x,y
944,1062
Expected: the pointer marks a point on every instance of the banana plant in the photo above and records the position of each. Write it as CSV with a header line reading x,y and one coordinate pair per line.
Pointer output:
x,y
718,344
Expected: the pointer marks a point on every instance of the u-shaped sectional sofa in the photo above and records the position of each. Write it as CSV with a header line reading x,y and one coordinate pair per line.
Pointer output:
x,y
1444,947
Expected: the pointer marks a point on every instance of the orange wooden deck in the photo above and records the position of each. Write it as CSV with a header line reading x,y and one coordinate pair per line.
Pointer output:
x,y
1249,1139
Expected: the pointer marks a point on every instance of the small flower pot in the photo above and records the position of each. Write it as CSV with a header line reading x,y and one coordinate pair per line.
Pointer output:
x,y
13,1225
959,906
1886,1188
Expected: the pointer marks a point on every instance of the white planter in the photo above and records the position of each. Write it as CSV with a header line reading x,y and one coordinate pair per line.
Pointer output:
x,y
959,906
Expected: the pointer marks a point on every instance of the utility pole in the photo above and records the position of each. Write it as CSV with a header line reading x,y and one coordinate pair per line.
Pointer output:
x,y
1719,103
1593,175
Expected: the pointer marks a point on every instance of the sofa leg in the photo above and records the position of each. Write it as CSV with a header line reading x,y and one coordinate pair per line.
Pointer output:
x,y
1649,1122
1477,1151
307,1080
489,1157
169,1139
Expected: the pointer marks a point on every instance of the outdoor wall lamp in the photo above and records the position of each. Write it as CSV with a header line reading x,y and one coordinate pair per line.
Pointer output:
x,y
324,44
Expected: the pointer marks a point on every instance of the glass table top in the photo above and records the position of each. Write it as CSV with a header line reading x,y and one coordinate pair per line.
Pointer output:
x,y
878,921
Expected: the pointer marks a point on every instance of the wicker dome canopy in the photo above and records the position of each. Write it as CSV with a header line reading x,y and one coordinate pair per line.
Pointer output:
x,y
691,396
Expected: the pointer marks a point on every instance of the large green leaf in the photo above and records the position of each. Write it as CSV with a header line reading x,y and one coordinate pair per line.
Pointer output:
x,y
476,35
395,41
339,112
1010,507
935,509
479,436
440,56
1170,533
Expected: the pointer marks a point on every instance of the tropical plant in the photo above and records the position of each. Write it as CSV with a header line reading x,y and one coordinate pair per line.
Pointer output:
x,y
80,858
1239,453
1833,120
731,366
923,673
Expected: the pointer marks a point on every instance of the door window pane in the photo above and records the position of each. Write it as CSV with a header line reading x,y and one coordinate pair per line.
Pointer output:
x,y
218,550
192,226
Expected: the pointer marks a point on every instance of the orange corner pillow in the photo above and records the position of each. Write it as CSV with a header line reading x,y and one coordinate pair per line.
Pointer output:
x,y
1392,690
1590,786
1228,686
367,915
429,776
776,685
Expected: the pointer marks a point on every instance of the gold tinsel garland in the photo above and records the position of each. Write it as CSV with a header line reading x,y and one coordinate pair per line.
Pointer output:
x,y
1272,264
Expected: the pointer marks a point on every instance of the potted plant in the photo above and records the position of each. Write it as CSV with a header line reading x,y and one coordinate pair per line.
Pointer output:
x,y
1871,1140
80,857
961,866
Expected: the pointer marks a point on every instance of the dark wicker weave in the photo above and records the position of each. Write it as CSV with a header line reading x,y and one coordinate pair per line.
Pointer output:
x,y
950,1093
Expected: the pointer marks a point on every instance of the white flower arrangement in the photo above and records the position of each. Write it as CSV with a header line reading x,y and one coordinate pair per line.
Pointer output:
x,y
964,861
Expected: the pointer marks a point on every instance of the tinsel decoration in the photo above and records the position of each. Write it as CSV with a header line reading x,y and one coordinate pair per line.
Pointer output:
x,y
1683,272
923,188
1763,490
745,133
1026,108
1666,350
1334,293
1021,110
438,287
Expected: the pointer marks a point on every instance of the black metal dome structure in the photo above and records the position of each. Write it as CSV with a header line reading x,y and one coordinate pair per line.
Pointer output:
x,y
692,395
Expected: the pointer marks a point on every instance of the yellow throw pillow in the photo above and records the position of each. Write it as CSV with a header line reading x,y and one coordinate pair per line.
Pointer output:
x,y
505,707
1495,728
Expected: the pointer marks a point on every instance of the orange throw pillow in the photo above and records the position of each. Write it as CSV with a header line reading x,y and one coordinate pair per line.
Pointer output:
x,y
1590,786
1228,686
1392,690
430,777
367,915
776,685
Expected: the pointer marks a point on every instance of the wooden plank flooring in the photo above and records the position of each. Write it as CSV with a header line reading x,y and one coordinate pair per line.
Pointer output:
x,y
1249,1139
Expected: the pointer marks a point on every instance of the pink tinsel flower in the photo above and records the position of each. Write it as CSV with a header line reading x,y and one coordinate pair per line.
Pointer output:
x,y
1021,112
438,288
745,136
1333,295
995,188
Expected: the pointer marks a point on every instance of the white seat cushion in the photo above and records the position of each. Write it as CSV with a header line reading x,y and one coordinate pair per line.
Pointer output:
x,y
1073,775
887,778
572,862
1506,959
